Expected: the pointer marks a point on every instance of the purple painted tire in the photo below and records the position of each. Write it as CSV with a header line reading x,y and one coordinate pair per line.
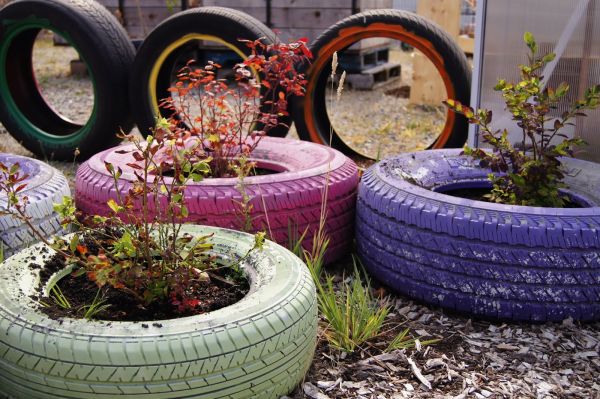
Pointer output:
x,y
45,186
488,260
281,202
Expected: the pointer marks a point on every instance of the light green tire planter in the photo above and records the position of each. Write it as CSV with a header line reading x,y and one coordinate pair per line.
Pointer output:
x,y
260,347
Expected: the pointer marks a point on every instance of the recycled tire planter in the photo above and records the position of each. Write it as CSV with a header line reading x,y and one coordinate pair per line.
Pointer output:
x,y
489,260
157,57
107,52
260,347
310,112
45,186
289,200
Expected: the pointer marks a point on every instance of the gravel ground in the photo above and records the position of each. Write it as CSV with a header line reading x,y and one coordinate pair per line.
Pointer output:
x,y
474,359
382,122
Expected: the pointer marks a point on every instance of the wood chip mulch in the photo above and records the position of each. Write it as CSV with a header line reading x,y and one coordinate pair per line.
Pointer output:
x,y
474,359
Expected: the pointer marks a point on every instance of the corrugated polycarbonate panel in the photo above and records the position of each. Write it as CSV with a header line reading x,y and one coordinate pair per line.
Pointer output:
x,y
577,22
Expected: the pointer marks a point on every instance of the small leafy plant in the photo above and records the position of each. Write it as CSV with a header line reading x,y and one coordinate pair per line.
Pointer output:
x,y
530,173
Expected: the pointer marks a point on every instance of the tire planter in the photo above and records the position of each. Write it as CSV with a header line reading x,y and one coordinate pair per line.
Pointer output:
x,y
284,201
156,59
107,52
259,347
489,260
310,112
45,186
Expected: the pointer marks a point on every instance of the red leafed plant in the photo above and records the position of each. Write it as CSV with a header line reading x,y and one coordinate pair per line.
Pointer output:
x,y
230,118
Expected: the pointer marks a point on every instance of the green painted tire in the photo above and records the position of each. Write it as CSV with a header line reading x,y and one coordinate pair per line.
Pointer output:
x,y
259,347
108,54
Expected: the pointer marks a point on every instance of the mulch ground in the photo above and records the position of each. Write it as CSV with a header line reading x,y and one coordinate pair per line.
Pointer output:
x,y
473,359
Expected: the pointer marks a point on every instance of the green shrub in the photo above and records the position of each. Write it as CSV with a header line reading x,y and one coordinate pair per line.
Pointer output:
x,y
530,174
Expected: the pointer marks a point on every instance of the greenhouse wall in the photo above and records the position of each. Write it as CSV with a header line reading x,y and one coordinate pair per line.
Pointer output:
x,y
570,28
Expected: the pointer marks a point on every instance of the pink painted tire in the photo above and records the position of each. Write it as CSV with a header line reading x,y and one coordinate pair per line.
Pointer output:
x,y
281,202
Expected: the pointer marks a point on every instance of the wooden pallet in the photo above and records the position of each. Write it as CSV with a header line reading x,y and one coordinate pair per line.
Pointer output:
x,y
376,76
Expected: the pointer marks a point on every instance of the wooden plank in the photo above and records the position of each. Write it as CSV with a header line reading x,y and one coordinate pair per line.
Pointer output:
x,y
339,4
140,21
427,85
109,3
466,43
287,18
150,3
375,4
291,18
445,13
285,35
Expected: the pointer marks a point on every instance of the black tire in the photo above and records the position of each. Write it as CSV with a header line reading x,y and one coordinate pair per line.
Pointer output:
x,y
310,112
107,52
156,59
45,187
489,260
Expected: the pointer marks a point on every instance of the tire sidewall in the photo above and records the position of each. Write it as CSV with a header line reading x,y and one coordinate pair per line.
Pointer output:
x,y
312,160
425,169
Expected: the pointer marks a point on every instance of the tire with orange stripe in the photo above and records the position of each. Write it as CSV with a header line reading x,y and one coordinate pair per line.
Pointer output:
x,y
157,57
310,112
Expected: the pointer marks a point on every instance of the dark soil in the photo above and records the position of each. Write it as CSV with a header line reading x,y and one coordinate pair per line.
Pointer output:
x,y
80,292
224,288
52,266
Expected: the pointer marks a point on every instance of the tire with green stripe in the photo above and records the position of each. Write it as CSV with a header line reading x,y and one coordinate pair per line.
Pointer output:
x,y
158,59
105,49
260,347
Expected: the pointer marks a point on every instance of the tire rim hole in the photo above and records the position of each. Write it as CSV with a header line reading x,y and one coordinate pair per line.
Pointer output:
x,y
198,53
379,113
62,78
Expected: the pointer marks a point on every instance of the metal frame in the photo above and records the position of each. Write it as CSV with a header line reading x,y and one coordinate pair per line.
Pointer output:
x,y
473,138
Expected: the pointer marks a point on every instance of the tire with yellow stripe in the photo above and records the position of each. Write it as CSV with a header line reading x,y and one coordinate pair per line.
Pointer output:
x,y
310,112
157,57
